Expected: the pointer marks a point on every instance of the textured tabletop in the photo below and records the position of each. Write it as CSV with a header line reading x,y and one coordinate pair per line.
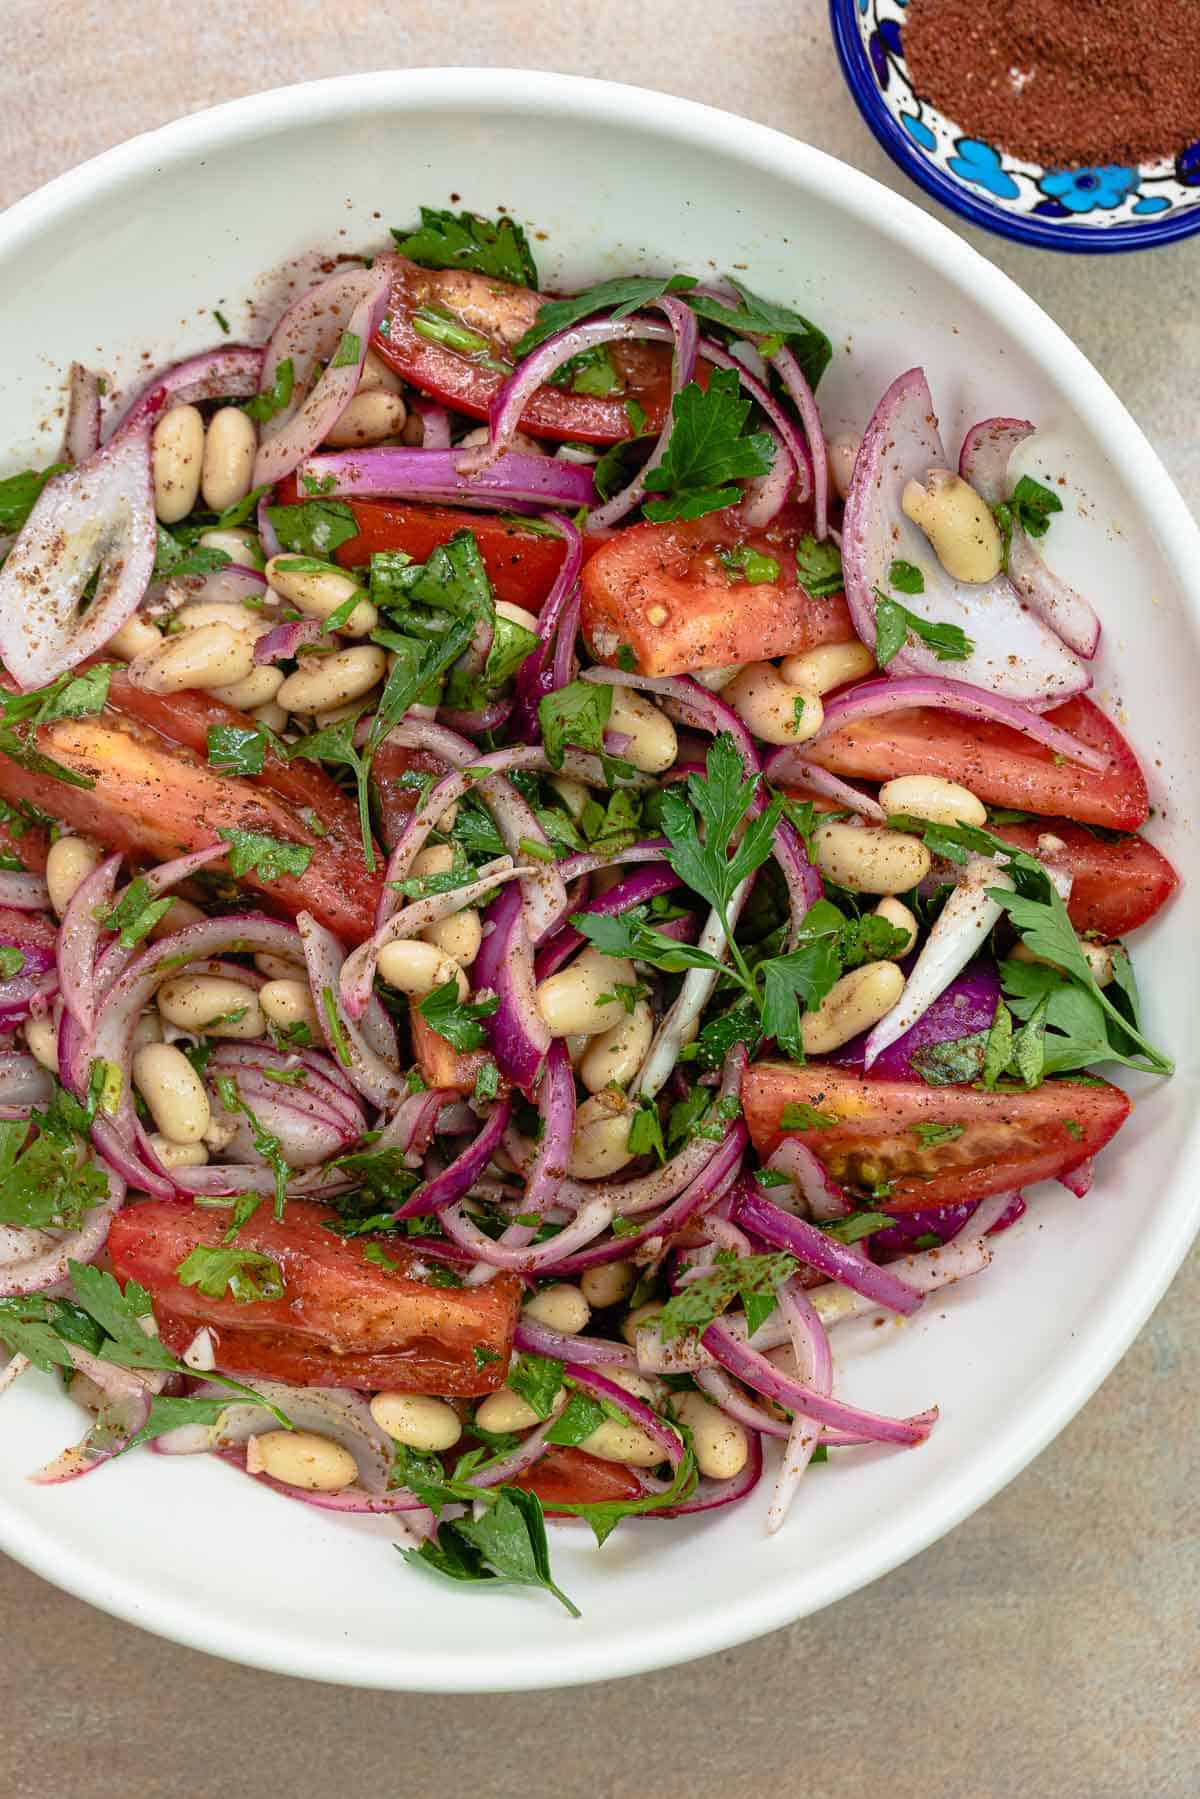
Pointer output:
x,y
1049,1647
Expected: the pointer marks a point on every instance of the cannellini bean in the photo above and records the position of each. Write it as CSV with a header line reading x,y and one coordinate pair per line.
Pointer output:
x,y
434,859
278,968
259,686
418,968
830,665
516,615
272,715
173,1091
929,796
176,456
460,936
528,446
213,1004
1098,957
227,471
220,1134
137,637
900,918
608,1285
195,613
652,745
718,679
370,418
178,915
333,680
853,1004
573,794
720,1443
300,1458
601,1142
505,1410
377,375
417,1420
41,1040
289,1002
638,1318
212,656
336,714
615,1056
178,1155
319,592
573,1000
868,860
618,1441
69,863
241,546
958,523
146,1030
771,708
561,1307
843,452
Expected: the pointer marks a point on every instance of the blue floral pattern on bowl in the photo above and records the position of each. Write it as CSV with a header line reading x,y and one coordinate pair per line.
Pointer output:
x,y
1107,207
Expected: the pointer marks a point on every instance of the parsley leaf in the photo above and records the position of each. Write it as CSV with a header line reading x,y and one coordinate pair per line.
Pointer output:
x,y
238,749
906,577
645,1131
744,563
19,494
458,1021
264,406
819,567
536,1379
266,1144
506,1543
466,240
268,857
708,451
732,1277
246,1274
43,1184
618,298
135,914
576,715
313,527
579,1418
894,623
930,1136
1030,506
800,1116
760,319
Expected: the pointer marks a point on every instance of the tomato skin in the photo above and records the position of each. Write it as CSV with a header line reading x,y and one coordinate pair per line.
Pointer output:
x,y
521,564
156,797
30,848
394,800
998,765
712,622
343,1321
503,313
1009,1140
1115,887
442,1065
565,1476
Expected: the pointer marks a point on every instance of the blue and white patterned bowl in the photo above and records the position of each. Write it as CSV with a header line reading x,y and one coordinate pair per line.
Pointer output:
x,y
1091,209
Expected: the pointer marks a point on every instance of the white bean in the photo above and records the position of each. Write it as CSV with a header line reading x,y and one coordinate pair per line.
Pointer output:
x,y
615,1056
718,679
41,1040
69,863
505,1410
638,1318
227,471
176,456
830,665
370,418
289,1002
460,936
272,715
853,1004
146,1030
418,968
843,451
601,1141
319,592
333,680
260,686
240,545
900,918
772,709
573,1001
870,860
173,1091
653,745
929,796
195,613
196,1002
721,1445
415,1419
959,524
137,637
300,1458
178,1155
621,1441
561,1307
212,656
278,968
609,1284
376,374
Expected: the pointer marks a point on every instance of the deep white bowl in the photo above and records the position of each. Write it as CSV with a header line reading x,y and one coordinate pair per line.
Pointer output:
x,y
130,253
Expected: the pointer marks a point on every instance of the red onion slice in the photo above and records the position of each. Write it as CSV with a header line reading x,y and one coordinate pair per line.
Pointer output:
x,y
810,1347
794,441
79,937
81,434
24,892
281,643
515,480
1016,656
541,673
685,332
125,1407
790,767
816,1187
804,400
765,1378
591,1352
375,1075
758,1215
639,1414
448,1188
983,461
32,1260
96,519
230,372
872,699
519,1035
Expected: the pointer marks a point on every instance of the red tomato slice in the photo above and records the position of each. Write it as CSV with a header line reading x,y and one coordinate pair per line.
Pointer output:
x,y
442,1065
343,1321
1007,1139
155,796
567,1476
502,313
26,844
1115,886
521,564
997,763
395,796
662,591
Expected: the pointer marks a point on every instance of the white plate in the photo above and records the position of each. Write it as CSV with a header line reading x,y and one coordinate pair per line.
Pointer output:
x,y
129,253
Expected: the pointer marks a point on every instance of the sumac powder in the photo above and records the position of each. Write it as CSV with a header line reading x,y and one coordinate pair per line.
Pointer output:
x,y
1058,83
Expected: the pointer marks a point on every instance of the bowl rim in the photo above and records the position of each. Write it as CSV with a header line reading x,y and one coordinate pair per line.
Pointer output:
x,y
1155,1256
1023,228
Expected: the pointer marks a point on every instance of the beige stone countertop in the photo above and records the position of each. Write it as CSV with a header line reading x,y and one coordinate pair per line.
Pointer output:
x,y
1049,1647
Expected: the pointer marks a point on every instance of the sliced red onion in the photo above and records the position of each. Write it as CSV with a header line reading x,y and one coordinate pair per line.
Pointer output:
x,y
540,673
282,642
24,892
818,1190
590,1352
81,435
803,399
873,699
725,1393
229,372
375,1075
810,1347
23,1082
639,1414
13,1369
519,1035
36,981
635,890
758,1215
794,440
788,766
79,937
589,1222
124,1408
767,496
1015,655
32,1260
653,849
435,422
96,519
757,1372
296,432
516,480
694,995
310,1131
497,712
967,1005
983,461
685,332
448,1188
1079,1180
556,1106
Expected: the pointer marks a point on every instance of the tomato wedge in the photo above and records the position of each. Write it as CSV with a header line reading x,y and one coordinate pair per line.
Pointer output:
x,y
997,763
565,1476
521,564
442,1065
1115,886
500,314
155,796
343,1321
1005,1140
662,591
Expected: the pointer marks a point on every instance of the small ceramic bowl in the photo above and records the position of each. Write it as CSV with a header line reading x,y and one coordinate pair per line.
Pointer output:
x,y
1093,210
